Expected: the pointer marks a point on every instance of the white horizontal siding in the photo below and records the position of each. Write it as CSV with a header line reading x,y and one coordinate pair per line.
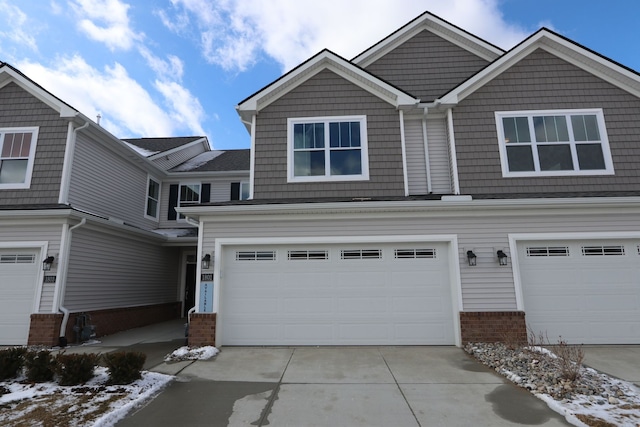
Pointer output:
x,y
486,287
416,162
111,271
23,231
108,185
439,156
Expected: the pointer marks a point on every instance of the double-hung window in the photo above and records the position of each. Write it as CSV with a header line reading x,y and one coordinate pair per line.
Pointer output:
x,y
553,143
17,153
153,198
189,193
327,149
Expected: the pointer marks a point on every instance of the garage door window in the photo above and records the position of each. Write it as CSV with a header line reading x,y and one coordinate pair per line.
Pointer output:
x,y
547,251
602,250
17,259
361,254
414,253
255,256
307,255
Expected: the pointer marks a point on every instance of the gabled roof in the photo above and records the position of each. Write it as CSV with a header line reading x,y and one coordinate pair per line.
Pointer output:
x,y
325,60
217,161
158,145
436,25
562,47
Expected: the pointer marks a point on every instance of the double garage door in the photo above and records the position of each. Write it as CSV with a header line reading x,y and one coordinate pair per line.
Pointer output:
x,y
18,279
584,291
369,294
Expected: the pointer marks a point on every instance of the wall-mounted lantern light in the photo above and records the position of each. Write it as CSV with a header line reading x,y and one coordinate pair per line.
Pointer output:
x,y
47,263
502,257
206,262
472,258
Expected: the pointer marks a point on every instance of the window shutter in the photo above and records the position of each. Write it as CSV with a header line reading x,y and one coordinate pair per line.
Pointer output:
x,y
235,191
173,202
205,196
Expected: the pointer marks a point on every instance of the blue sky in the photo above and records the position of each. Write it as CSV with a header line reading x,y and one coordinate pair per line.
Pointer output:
x,y
179,67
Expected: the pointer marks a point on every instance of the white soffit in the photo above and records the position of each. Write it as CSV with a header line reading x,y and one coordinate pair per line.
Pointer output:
x,y
438,27
327,60
564,49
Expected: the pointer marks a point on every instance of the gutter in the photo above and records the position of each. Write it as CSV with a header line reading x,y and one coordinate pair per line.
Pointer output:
x,y
62,340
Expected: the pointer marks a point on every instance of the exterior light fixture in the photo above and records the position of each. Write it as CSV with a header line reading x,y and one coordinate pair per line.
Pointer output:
x,y
502,257
472,258
206,262
47,263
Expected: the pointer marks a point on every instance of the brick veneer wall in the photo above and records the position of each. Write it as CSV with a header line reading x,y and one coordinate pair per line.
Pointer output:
x,y
202,329
45,328
493,326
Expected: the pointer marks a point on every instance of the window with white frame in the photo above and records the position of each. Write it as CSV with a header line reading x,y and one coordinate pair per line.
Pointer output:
x,y
327,149
189,193
244,191
17,153
153,198
553,143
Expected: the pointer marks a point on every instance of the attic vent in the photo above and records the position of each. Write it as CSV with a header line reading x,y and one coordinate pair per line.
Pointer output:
x,y
361,254
18,259
255,255
602,250
415,253
548,251
308,255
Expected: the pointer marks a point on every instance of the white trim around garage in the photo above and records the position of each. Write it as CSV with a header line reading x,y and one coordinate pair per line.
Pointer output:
x,y
43,248
454,265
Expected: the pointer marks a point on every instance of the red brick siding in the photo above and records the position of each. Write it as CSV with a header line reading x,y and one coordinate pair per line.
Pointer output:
x,y
202,329
493,326
44,329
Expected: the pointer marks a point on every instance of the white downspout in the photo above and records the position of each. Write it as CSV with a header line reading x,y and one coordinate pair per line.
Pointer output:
x,y
252,156
425,140
63,279
404,155
68,159
452,154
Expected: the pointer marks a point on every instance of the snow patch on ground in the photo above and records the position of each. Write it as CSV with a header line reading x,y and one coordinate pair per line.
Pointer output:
x,y
192,353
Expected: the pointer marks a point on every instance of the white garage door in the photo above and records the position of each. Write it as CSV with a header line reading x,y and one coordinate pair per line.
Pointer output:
x,y
336,295
18,278
585,291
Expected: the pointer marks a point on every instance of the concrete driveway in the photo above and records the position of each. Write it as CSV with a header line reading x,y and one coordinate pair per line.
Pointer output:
x,y
620,361
340,386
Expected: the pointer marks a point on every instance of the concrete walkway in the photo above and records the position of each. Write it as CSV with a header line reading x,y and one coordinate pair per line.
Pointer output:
x,y
338,386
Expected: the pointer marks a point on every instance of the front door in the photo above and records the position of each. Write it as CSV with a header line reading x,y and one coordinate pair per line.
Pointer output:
x,y
189,286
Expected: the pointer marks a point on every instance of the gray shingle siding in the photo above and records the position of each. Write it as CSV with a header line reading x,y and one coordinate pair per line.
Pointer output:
x,y
327,94
427,66
18,108
542,81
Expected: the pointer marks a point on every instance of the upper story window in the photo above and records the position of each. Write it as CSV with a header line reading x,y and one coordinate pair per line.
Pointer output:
x,y
153,198
239,190
189,193
327,149
553,143
17,153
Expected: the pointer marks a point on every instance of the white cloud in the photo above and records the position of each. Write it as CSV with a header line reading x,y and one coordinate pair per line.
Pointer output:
x,y
106,21
127,109
14,26
235,33
171,68
185,108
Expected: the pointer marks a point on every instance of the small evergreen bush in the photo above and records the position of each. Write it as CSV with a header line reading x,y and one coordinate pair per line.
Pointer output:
x,y
75,369
40,366
11,362
124,367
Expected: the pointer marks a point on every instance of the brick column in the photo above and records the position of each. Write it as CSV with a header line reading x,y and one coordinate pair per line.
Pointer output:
x,y
44,329
493,326
202,329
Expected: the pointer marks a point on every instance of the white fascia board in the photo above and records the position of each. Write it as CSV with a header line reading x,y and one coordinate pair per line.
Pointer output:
x,y
326,61
566,50
204,141
433,208
440,28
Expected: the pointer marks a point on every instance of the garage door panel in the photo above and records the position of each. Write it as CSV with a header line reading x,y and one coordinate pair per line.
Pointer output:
x,y
384,300
591,299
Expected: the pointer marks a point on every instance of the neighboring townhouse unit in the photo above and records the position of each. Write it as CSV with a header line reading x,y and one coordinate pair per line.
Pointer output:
x,y
433,190
88,223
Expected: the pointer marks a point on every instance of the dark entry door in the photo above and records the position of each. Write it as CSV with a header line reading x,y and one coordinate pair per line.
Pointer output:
x,y
190,287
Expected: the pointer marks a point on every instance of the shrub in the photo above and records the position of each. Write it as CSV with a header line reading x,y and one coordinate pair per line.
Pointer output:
x,y
570,358
74,369
11,362
124,367
40,366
